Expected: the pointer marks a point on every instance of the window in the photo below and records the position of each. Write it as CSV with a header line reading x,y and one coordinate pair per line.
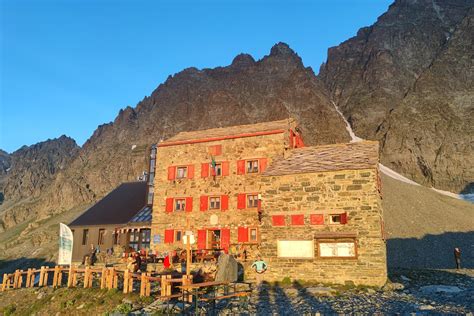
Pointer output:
x,y
278,220
134,239
316,219
179,204
215,202
252,200
181,172
297,220
337,249
85,236
252,166
338,218
217,170
146,236
253,235
116,238
178,235
101,236
215,150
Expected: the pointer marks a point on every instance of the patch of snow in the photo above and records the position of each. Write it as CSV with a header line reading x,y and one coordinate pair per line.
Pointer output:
x,y
134,146
8,169
353,136
393,174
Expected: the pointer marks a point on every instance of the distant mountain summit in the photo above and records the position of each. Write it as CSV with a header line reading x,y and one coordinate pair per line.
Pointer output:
x,y
408,81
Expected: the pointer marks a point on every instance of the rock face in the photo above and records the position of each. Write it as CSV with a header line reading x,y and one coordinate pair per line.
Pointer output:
x,y
32,171
5,161
399,67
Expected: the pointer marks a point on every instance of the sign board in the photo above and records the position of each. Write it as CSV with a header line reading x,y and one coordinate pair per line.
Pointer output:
x,y
295,248
65,245
214,220
191,239
339,249
156,239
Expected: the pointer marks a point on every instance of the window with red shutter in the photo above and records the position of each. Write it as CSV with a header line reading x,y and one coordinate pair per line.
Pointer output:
x,y
201,242
225,168
203,203
169,236
344,218
171,172
190,171
240,166
169,205
225,239
189,204
316,219
243,234
297,220
241,201
263,164
278,220
224,202
205,170
215,150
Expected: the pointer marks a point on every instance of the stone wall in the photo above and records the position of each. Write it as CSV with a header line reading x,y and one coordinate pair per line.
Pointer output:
x,y
265,146
353,192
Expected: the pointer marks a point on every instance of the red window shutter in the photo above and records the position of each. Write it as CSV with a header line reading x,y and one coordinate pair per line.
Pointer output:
x,y
316,219
171,172
344,218
299,142
243,234
169,205
189,204
241,201
278,220
190,171
203,203
201,242
169,236
225,239
215,150
297,219
224,202
213,171
262,164
205,170
240,166
225,168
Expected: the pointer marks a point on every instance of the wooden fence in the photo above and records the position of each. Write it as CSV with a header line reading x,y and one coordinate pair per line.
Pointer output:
x,y
104,278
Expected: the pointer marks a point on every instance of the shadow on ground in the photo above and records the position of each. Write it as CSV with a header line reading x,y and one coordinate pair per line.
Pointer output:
x,y
431,251
23,263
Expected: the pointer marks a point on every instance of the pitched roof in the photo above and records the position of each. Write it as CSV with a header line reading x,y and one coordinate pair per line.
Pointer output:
x,y
117,207
360,155
229,132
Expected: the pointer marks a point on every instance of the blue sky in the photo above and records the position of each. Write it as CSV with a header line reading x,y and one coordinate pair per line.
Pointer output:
x,y
68,66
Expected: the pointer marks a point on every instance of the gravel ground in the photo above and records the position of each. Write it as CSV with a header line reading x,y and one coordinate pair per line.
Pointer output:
x,y
410,291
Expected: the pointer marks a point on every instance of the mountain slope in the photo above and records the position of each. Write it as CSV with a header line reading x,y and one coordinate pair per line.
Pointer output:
x,y
371,75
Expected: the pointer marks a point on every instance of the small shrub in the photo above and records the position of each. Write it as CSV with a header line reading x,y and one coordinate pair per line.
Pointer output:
x,y
123,308
286,281
9,310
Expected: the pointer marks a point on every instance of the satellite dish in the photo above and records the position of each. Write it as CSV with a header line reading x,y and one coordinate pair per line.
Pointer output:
x,y
214,219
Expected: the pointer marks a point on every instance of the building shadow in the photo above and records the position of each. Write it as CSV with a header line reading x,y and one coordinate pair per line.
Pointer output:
x,y
23,263
282,301
264,305
431,251
315,304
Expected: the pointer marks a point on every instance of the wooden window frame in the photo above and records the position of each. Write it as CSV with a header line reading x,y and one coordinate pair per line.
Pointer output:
x,y
185,172
249,240
247,161
247,200
175,238
335,223
100,237
175,204
337,241
85,236
210,203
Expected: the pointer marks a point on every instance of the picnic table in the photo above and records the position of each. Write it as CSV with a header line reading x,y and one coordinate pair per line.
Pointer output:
x,y
206,293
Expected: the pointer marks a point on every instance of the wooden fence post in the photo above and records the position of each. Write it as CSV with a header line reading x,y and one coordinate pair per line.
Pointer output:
x,y
125,281
40,284
69,277
4,281
143,284
15,279
59,280
103,278
86,277
28,278
148,285
20,279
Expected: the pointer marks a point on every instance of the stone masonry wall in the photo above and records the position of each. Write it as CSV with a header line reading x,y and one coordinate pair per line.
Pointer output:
x,y
352,191
267,146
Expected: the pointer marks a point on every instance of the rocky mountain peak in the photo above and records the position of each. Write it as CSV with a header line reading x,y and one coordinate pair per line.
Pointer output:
x,y
243,60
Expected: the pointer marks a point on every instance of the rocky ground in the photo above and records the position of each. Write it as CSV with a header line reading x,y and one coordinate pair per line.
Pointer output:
x,y
411,291
420,292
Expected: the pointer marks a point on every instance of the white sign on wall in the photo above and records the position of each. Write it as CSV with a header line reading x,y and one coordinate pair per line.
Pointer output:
x,y
295,248
340,249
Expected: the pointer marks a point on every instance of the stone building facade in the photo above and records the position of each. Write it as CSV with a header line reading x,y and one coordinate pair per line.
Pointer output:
x,y
209,182
322,216
313,213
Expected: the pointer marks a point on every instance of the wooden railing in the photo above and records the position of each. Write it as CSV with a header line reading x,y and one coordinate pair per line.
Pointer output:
x,y
105,278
